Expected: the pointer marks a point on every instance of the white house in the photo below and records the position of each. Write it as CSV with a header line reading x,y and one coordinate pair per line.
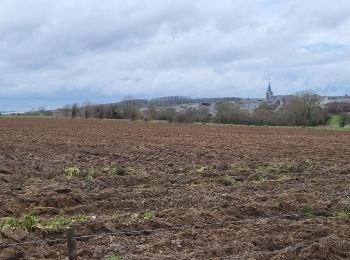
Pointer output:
x,y
336,99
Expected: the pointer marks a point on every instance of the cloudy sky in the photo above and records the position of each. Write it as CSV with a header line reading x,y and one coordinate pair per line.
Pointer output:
x,y
58,52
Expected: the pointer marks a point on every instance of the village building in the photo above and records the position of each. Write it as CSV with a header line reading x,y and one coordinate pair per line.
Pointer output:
x,y
336,104
326,101
209,106
277,102
249,105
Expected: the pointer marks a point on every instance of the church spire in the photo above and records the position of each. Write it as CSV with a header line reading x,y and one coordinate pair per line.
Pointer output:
x,y
269,93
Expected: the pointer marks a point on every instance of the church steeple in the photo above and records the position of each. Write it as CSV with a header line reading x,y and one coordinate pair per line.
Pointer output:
x,y
269,93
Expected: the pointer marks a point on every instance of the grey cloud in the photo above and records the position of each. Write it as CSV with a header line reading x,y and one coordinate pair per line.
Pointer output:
x,y
185,47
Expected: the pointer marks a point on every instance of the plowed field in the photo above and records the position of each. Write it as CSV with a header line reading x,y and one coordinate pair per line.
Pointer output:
x,y
177,191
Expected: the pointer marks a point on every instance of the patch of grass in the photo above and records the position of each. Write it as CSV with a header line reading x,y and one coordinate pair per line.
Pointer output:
x,y
262,180
115,216
89,178
30,221
263,169
27,222
277,203
229,181
133,170
107,170
273,168
71,172
266,169
334,120
309,212
239,167
52,178
35,180
60,221
307,163
202,169
345,213
9,222
93,173
113,170
148,215
284,178
293,167
238,183
283,167
117,170
113,257
82,219
65,221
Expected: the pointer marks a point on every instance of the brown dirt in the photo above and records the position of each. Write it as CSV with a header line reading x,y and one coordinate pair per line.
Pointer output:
x,y
255,176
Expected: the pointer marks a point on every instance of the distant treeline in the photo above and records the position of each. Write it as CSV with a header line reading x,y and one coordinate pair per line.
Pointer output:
x,y
302,110
127,109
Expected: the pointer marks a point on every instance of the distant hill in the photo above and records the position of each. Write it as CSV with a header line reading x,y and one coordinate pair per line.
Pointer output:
x,y
172,101
178,100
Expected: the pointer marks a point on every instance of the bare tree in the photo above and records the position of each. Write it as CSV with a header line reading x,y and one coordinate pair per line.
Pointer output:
x,y
151,112
227,112
305,110
99,111
129,108
75,110
66,110
86,110
117,113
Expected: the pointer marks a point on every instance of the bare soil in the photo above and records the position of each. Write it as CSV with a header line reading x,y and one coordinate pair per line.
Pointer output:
x,y
234,192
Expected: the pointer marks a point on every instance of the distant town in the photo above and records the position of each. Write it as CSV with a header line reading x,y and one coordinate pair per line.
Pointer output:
x,y
250,105
300,109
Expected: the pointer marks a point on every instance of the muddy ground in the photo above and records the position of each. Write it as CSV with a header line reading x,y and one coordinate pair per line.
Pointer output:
x,y
207,191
